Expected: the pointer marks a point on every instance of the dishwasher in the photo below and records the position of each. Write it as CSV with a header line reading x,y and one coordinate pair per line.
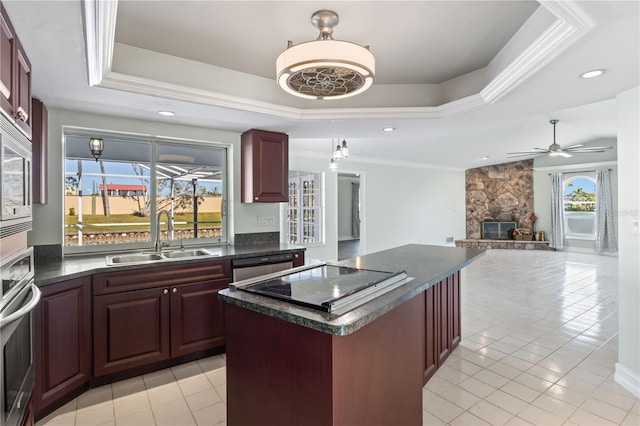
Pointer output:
x,y
252,267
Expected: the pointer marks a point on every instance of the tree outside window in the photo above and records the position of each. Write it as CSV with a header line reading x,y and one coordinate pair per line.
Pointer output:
x,y
580,207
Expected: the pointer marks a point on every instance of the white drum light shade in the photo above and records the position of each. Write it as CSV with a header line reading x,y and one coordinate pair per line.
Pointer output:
x,y
325,68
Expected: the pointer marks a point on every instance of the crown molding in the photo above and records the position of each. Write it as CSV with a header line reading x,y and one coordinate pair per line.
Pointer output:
x,y
577,166
100,22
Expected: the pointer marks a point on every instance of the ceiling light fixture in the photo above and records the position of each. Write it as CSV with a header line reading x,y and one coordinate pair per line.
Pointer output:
x,y
325,68
592,73
344,149
388,129
486,157
96,145
167,113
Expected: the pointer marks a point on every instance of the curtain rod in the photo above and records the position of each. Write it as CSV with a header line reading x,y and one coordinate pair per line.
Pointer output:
x,y
582,171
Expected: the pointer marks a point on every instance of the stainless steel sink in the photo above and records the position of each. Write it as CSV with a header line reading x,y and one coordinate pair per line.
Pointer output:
x,y
138,258
179,254
134,258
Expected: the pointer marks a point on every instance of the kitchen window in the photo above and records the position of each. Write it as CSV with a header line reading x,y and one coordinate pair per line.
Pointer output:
x,y
580,207
305,210
113,202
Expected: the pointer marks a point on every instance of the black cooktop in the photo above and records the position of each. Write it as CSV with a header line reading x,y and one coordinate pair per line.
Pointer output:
x,y
324,287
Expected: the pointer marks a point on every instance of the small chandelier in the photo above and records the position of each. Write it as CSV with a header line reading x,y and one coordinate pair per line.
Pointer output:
x,y
96,145
325,68
341,152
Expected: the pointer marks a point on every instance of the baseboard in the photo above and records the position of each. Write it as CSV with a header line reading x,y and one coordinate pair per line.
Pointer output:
x,y
349,238
627,379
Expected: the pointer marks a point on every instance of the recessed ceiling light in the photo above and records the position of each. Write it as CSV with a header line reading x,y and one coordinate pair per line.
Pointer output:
x,y
592,73
167,113
389,129
486,157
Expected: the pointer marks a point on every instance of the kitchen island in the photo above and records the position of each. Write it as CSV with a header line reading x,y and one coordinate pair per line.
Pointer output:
x,y
289,364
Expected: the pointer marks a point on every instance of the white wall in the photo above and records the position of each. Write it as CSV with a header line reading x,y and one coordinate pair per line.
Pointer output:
x,y
628,366
47,219
345,196
400,204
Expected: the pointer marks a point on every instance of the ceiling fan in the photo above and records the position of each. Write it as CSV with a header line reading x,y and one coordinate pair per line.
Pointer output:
x,y
556,150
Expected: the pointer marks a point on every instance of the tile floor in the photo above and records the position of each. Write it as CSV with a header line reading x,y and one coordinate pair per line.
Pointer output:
x,y
539,347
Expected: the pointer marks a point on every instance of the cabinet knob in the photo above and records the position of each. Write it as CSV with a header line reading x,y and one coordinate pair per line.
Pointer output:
x,y
296,255
175,290
166,291
19,116
255,198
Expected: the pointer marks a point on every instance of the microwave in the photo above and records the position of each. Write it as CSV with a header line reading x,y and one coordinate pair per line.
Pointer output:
x,y
15,177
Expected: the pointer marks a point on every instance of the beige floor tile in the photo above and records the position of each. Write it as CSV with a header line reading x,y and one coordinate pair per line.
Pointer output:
x,y
163,394
217,377
460,397
212,363
91,416
537,416
125,406
139,418
211,415
476,387
517,363
533,382
451,375
507,402
504,370
491,353
490,413
517,421
520,391
443,409
527,356
555,406
567,395
467,419
185,371
128,387
194,384
429,419
158,378
478,359
65,415
222,391
545,373
583,417
438,385
171,410
100,396
604,410
608,395
631,420
463,365
491,378
203,399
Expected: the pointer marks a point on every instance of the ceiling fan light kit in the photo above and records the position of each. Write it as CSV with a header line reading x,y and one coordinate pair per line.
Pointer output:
x,y
325,68
556,150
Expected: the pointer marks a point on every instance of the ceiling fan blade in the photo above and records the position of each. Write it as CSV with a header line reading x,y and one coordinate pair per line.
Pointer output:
x,y
524,154
563,154
591,151
572,146
588,148
541,149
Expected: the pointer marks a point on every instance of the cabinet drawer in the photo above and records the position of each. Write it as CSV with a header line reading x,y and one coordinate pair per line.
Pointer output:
x,y
117,282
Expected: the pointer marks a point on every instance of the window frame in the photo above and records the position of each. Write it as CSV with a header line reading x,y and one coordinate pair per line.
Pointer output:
x,y
152,193
319,208
574,236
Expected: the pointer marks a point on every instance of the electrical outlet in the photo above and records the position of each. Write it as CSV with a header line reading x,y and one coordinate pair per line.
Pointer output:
x,y
449,239
264,221
635,226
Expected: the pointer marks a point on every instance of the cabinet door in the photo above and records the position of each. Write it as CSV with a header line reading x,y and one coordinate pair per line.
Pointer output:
x,y
445,325
62,344
196,317
454,291
22,100
130,329
7,61
298,258
264,167
430,333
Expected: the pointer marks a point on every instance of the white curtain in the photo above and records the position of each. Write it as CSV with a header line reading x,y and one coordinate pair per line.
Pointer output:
x,y
605,234
557,239
355,210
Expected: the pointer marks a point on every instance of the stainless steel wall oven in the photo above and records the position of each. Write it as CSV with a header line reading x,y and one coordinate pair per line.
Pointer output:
x,y
19,298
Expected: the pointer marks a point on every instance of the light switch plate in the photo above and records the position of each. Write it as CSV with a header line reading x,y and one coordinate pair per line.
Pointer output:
x,y
635,226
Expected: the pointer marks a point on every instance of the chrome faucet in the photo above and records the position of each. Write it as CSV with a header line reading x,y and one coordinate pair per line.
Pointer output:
x,y
159,243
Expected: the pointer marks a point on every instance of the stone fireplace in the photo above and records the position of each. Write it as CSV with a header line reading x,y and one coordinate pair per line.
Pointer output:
x,y
499,193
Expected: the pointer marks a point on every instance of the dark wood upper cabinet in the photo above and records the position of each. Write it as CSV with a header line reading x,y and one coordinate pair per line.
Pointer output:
x,y
39,144
264,167
62,344
15,76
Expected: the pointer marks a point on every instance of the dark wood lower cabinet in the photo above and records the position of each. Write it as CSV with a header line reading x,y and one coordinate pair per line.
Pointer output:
x,y
442,322
130,330
62,344
197,320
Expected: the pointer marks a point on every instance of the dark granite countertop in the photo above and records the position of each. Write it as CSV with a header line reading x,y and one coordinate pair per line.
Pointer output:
x,y
427,265
82,265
